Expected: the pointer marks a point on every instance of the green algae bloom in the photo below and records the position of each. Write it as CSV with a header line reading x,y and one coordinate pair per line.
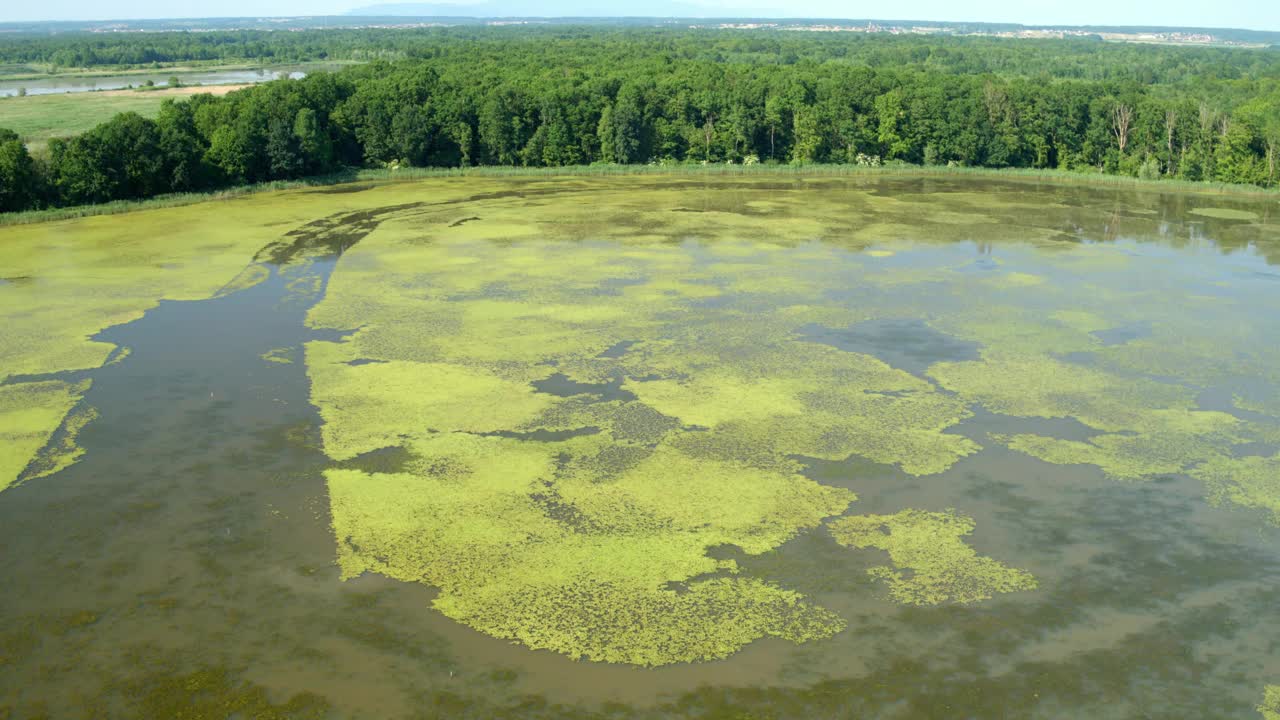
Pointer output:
x,y
579,566
215,693
785,401
624,339
1162,442
1042,386
30,413
587,421
62,452
1252,481
1146,428
80,277
1270,707
251,276
556,412
373,406
279,356
1224,213
1017,280
931,562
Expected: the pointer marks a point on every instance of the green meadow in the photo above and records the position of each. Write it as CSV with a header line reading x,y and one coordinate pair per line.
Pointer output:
x,y
38,118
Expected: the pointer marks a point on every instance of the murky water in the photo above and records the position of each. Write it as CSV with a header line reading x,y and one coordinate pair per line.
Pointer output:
x,y
1088,380
59,85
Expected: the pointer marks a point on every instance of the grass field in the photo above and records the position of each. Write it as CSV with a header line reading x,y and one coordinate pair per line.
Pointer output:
x,y
37,118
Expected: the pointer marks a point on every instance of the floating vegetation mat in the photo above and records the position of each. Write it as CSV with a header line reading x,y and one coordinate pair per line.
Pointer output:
x,y
592,397
937,434
30,414
931,562
1270,707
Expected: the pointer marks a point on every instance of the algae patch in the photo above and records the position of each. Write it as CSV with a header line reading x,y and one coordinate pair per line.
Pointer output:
x,y
582,409
581,522
214,694
1146,428
85,275
648,379
62,451
279,356
1270,707
570,564
253,274
1250,481
375,405
931,562
30,413
1224,213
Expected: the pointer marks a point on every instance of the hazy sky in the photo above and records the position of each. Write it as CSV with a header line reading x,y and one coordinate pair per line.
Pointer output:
x,y
1252,14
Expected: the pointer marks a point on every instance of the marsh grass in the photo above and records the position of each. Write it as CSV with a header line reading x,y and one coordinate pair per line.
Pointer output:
x,y
902,170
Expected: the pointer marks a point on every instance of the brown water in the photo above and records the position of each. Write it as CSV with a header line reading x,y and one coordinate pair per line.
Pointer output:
x,y
185,566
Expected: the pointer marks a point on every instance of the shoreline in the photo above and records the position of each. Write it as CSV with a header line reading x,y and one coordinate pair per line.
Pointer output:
x,y
177,69
383,176
179,91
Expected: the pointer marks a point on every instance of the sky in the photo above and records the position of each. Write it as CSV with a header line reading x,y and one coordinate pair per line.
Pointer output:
x,y
1250,14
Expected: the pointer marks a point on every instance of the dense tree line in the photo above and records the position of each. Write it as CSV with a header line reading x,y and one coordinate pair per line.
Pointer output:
x,y
586,97
1072,58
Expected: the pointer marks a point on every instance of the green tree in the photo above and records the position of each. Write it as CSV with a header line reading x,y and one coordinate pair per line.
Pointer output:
x,y
182,147
621,129
890,114
283,153
504,125
314,145
1235,159
20,184
231,153
120,159
774,118
807,134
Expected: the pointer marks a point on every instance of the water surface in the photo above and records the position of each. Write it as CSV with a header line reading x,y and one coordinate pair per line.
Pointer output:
x,y
58,85
644,447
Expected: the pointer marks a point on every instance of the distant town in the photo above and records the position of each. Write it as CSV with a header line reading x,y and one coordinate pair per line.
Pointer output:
x,y
1165,38
374,18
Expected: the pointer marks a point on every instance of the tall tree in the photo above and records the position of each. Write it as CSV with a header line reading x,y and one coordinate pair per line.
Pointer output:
x,y
1121,122
19,182
283,152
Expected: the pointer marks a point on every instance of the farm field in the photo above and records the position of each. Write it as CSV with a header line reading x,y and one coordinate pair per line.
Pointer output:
x,y
644,447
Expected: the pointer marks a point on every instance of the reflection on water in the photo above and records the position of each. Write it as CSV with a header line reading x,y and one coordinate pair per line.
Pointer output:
x,y
187,560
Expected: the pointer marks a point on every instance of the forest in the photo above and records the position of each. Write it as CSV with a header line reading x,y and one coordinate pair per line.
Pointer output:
x,y
578,95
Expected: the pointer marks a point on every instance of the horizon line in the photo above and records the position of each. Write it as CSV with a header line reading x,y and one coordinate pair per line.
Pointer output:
x,y
354,15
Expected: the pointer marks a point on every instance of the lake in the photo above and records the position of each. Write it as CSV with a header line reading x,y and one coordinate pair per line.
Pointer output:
x,y
57,85
645,447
